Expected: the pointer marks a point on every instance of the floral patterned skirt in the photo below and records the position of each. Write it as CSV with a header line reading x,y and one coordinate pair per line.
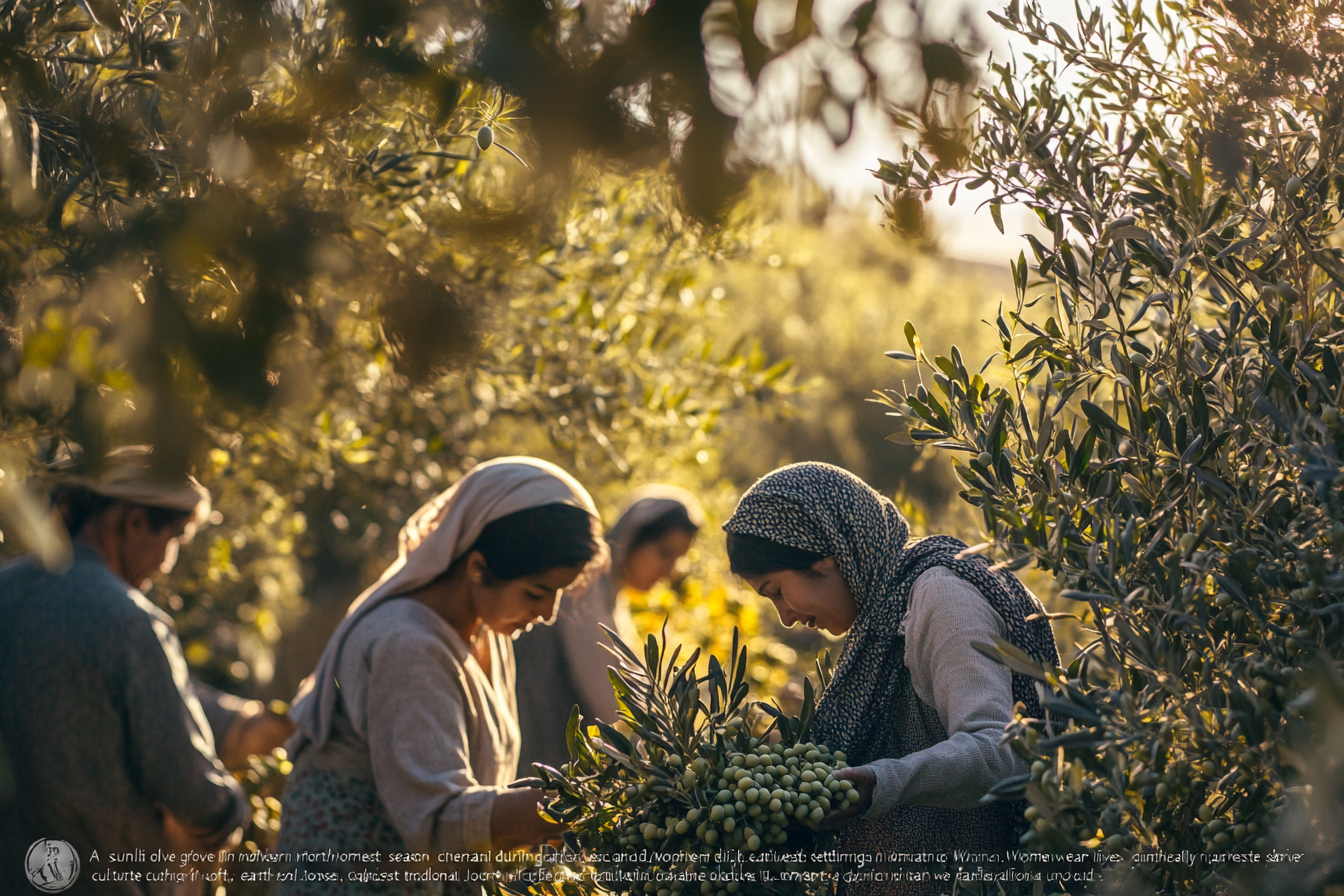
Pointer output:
x,y
329,813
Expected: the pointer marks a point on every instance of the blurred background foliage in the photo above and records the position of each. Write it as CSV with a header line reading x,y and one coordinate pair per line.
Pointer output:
x,y
328,255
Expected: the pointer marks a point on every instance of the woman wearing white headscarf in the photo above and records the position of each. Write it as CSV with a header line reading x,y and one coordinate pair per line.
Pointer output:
x,y
407,732
563,665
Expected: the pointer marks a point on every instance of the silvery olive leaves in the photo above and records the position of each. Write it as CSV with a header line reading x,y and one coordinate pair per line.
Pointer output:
x,y
698,785
1165,434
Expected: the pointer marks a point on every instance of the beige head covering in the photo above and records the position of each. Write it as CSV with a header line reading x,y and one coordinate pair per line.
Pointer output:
x,y
645,505
436,535
601,603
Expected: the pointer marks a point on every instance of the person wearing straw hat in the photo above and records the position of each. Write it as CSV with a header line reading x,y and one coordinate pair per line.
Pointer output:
x,y
109,746
564,665
407,731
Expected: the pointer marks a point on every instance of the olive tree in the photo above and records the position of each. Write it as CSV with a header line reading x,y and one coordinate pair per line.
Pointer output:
x,y
601,355
1167,440
256,235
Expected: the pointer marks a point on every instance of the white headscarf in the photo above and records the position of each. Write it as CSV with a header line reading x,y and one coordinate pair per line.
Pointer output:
x,y
436,535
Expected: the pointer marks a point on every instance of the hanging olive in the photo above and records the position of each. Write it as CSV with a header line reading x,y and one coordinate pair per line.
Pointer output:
x,y
485,137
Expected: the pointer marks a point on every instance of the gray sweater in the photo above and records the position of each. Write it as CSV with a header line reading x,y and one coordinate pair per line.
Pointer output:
x,y
972,695
100,722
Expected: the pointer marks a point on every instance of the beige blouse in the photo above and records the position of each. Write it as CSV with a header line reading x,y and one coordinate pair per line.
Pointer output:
x,y
419,716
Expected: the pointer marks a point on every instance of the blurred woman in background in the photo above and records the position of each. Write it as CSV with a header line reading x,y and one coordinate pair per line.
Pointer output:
x,y
918,711
407,732
564,664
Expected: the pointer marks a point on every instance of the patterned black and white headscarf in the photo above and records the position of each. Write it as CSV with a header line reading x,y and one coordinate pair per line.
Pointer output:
x,y
821,508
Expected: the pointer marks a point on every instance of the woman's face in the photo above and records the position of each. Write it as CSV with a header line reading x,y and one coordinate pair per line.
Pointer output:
x,y
653,561
509,607
821,600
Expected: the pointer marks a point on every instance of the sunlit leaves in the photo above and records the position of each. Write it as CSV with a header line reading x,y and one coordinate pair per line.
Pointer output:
x,y
1175,453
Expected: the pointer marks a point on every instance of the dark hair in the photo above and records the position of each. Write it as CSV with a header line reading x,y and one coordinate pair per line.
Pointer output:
x,y
751,555
79,505
539,538
677,519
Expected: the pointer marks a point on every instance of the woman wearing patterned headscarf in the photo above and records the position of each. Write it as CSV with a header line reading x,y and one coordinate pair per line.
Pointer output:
x,y
407,732
564,665
917,710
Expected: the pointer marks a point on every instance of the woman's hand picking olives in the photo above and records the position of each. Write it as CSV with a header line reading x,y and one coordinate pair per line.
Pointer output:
x,y
862,779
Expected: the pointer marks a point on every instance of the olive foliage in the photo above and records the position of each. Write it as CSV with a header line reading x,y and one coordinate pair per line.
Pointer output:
x,y
256,235
696,785
1168,439
602,355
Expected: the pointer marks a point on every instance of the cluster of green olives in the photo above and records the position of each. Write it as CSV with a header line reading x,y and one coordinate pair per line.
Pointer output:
x,y
747,802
